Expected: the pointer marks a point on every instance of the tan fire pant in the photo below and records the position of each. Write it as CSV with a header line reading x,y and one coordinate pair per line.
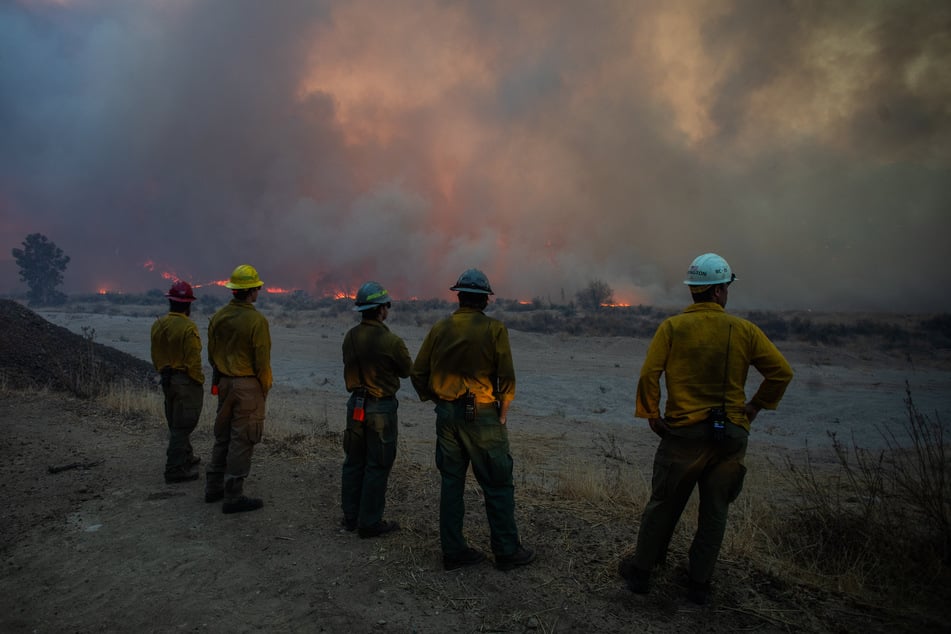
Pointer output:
x,y
238,427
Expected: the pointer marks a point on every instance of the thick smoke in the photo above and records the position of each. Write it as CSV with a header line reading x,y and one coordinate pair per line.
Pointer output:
x,y
549,144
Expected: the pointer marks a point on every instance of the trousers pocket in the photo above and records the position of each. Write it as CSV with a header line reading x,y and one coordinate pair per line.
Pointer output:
x,y
255,431
499,465
737,487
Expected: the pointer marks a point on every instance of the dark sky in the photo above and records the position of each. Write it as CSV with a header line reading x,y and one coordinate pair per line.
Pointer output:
x,y
548,143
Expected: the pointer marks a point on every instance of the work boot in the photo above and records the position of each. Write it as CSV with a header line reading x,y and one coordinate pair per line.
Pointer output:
x,y
242,505
378,529
638,581
349,524
468,557
698,592
180,475
521,557
214,496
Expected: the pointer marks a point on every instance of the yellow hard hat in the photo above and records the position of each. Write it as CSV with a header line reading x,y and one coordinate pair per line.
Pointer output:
x,y
243,277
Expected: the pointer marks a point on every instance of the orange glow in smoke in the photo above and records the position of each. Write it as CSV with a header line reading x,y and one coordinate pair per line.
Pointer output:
x,y
278,290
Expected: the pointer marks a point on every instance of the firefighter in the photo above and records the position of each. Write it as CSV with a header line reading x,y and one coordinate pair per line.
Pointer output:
x,y
465,367
705,355
374,360
176,354
239,350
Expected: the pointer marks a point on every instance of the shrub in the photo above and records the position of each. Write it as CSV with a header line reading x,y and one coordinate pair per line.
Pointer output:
x,y
882,519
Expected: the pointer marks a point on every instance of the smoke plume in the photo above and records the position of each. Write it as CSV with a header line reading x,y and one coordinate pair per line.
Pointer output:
x,y
547,143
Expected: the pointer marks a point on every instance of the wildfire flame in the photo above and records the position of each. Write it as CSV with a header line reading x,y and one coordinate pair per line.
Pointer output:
x,y
212,283
166,275
338,292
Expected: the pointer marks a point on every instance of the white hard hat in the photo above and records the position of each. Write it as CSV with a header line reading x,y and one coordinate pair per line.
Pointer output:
x,y
709,269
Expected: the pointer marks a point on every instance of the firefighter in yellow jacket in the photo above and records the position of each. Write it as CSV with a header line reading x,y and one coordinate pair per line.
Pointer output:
x,y
374,360
705,355
176,354
465,367
239,349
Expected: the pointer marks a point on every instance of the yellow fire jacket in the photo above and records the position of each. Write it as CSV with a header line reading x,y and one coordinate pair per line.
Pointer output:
x,y
239,343
705,355
176,345
465,350
381,357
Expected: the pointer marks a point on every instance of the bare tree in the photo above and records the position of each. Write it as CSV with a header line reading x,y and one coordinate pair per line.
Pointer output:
x,y
596,294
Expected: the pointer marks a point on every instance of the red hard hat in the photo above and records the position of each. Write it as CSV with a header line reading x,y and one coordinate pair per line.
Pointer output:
x,y
181,291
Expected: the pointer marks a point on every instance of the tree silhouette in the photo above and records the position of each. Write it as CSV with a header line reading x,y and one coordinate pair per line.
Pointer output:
x,y
41,265
594,295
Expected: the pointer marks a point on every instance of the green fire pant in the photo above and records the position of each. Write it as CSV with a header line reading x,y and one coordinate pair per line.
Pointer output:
x,y
183,401
688,457
370,449
483,442
239,425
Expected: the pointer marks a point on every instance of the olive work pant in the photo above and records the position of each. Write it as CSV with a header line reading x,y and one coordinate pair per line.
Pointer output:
x,y
239,425
370,449
483,442
183,401
688,457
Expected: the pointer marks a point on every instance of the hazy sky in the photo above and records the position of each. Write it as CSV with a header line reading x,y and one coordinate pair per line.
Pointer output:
x,y
547,143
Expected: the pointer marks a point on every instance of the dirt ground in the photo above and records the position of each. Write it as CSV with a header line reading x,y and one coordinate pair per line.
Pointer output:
x,y
93,540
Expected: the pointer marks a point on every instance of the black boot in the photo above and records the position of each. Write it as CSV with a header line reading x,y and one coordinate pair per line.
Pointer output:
x,y
180,475
242,505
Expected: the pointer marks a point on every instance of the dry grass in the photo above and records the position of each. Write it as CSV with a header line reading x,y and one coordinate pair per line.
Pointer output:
x,y
126,400
874,523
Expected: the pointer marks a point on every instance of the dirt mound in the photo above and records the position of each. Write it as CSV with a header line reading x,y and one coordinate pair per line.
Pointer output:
x,y
37,354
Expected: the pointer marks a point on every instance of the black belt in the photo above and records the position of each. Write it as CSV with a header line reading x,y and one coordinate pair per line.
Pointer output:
x,y
462,401
242,376
380,398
